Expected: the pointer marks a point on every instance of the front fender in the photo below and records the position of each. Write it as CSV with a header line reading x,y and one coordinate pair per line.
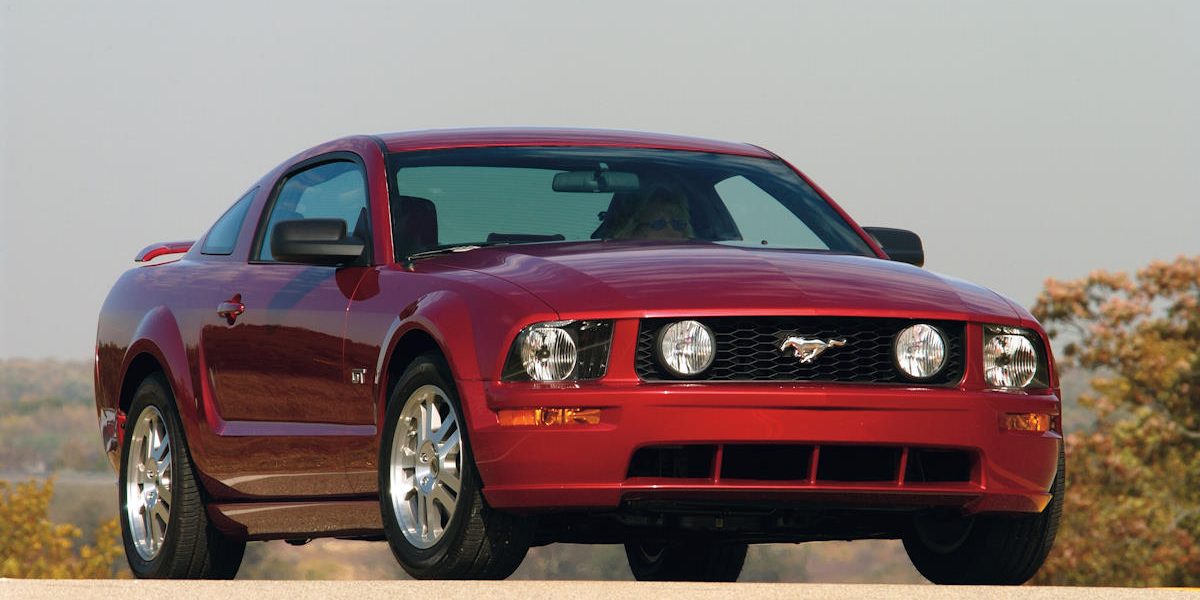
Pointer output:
x,y
443,316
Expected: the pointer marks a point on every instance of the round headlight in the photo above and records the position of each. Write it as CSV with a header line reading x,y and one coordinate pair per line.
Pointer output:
x,y
686,348
920,351
1009,361
548,354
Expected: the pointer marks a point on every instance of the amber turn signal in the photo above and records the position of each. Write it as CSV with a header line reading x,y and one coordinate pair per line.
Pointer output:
x,y
549,416
1034,422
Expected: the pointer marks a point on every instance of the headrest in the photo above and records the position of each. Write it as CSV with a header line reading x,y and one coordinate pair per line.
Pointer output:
x,y
415,227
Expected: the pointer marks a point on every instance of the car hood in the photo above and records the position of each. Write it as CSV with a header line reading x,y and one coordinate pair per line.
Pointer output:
x,y
656,278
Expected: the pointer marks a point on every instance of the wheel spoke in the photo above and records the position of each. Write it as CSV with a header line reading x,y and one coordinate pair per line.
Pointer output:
x,y
448,447
431,520
422,515
147,521
158,526
443,497
162,516
162,448
447,428
449,480
164,493
430,414
435,526
162,466
408,458
422,423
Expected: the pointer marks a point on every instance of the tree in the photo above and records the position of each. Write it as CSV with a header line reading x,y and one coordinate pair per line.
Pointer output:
x,y
1132,514
32,546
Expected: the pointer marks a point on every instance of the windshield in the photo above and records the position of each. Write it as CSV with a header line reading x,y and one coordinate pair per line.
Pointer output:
x,y
523,195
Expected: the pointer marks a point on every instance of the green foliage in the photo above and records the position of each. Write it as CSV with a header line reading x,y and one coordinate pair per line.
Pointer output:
x,y
1132,514
31,546
48,417
27,385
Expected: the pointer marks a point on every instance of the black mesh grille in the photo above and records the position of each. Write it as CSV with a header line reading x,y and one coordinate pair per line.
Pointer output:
x,y
748,350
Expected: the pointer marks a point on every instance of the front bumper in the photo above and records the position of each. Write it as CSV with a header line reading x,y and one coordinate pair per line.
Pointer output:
x,y
588,466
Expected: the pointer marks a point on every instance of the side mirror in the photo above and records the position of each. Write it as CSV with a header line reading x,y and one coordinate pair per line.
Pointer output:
x,y
318,241
900,245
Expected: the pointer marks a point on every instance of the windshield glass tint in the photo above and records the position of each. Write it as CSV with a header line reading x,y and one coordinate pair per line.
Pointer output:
x,y
481,196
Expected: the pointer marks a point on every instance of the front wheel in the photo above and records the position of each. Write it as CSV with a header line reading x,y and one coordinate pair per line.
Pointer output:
x,y
434,515
163,522
986,549
697,561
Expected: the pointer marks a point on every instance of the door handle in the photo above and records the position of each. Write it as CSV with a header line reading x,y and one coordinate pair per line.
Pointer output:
x,y
230,309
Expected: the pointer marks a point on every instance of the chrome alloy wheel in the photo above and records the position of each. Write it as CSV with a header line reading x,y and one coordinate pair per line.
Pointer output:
x,y
426,468
148,483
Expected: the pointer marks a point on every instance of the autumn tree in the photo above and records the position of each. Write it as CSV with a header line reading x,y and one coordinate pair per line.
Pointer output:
x,y
32,546
1132,514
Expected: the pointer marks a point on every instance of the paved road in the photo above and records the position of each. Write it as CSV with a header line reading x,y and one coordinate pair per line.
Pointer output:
x,y
592,590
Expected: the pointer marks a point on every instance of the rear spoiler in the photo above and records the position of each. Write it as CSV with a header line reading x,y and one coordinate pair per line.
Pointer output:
x,y
154,251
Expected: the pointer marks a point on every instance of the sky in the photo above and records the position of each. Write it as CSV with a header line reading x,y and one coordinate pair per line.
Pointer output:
x,y
1022,140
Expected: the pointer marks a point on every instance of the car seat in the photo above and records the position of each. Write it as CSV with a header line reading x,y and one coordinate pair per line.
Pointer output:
x,y
415,227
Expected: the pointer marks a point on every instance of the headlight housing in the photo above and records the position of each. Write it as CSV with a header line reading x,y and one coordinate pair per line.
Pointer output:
x,y
686,348
559,351
1013,358
920,351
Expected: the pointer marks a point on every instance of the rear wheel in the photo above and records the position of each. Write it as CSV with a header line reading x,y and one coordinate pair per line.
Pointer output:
x,y
436,520
163,522
693,561
986,549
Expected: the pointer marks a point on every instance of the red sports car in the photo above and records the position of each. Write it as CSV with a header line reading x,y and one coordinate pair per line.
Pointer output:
x,y
472,342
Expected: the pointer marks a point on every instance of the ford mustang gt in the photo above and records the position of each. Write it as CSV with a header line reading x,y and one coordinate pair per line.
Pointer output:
x,y
471,342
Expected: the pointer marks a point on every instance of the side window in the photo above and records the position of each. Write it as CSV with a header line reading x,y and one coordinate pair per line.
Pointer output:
x,y
764,220
223,235
332,190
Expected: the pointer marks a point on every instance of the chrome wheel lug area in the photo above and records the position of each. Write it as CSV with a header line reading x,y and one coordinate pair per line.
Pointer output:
x,y
424,466
147,483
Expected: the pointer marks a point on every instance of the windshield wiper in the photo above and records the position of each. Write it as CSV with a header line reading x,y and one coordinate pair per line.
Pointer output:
x,y
447,250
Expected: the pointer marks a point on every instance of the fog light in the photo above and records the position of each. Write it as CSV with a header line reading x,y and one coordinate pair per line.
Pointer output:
x,y
920,351
549,416
686,348
1034,422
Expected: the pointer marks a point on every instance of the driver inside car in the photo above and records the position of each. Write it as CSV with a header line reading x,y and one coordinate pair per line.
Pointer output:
x,y
663,215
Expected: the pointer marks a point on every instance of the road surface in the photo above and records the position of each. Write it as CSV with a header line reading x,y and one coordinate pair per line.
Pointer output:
x,y
521,590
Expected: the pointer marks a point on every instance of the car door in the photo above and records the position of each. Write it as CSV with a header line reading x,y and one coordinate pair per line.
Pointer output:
x,y
273,356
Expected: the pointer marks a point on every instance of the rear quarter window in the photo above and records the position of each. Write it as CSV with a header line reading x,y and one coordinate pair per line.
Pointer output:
x,y
223,236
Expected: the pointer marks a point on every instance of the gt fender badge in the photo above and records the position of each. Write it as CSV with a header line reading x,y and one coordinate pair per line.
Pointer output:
x,y
808,350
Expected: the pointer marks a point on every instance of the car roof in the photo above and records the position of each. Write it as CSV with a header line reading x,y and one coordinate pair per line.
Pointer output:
x,y
547,136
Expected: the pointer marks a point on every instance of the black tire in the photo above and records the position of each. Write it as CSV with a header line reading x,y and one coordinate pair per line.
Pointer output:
x,y
692,561
988,549
191,547
477,542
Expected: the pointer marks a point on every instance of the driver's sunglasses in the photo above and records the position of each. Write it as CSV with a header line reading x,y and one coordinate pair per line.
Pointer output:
x,y
661,224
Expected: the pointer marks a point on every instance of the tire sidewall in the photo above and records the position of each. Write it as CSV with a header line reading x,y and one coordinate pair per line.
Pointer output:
x,y
645,567
153,391
425,370
971,562
707,561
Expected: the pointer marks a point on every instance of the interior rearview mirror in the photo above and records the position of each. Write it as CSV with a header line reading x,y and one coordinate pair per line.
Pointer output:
x,y
901,245
318,241
596,181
